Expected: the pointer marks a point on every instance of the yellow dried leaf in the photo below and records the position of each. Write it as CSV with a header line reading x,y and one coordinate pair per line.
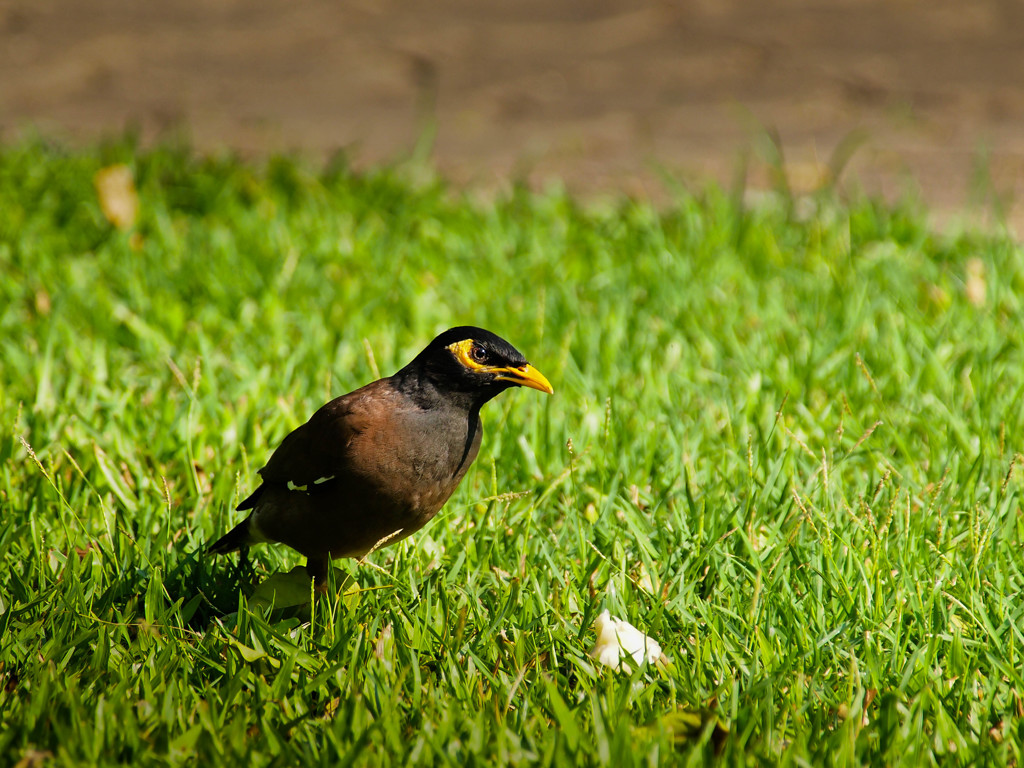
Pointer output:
x,y
115,187
976,287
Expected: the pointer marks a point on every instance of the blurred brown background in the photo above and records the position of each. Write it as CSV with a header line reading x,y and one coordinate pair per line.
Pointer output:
x,y
600,93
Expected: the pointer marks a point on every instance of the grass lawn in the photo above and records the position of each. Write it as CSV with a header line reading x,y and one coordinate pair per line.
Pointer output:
x,y
784,442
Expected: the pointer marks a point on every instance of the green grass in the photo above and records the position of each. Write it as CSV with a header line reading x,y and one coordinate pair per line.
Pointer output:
x,y
782,443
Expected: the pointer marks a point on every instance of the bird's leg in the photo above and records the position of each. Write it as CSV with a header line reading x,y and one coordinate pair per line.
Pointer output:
x,y
318,568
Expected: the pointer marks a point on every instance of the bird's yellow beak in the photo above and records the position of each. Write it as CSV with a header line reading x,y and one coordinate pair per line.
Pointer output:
x,y
524,376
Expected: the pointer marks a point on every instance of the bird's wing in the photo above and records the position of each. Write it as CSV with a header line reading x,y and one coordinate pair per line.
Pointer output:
x,y
318,452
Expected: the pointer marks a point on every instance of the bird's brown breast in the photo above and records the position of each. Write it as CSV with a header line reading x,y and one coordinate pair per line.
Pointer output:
x,y
392,465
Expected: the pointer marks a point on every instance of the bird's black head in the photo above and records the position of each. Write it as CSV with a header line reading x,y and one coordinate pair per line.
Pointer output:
x,y
475,362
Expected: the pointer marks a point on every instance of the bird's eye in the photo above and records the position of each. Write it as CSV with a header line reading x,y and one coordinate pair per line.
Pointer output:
x,y
478,353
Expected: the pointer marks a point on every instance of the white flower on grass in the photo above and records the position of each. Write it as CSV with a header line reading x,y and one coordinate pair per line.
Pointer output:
x,y
618,640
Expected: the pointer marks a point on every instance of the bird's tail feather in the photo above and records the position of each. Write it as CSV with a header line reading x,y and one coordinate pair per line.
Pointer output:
x,y
237,538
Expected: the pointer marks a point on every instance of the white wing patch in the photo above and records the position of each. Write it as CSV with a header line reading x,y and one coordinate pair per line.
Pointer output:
x,y
305,488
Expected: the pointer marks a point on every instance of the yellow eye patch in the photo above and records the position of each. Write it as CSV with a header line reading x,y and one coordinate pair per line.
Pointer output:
x,y
463,353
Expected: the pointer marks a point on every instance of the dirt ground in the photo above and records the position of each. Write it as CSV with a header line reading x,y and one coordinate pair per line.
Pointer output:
x,y
604,94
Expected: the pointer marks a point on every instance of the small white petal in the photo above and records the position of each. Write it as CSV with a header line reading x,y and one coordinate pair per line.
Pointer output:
x,y
618,640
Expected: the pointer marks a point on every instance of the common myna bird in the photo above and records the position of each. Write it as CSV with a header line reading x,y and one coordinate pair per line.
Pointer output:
x,y
375,465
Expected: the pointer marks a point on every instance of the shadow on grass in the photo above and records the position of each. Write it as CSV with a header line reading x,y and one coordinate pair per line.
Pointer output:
x,y
199,588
